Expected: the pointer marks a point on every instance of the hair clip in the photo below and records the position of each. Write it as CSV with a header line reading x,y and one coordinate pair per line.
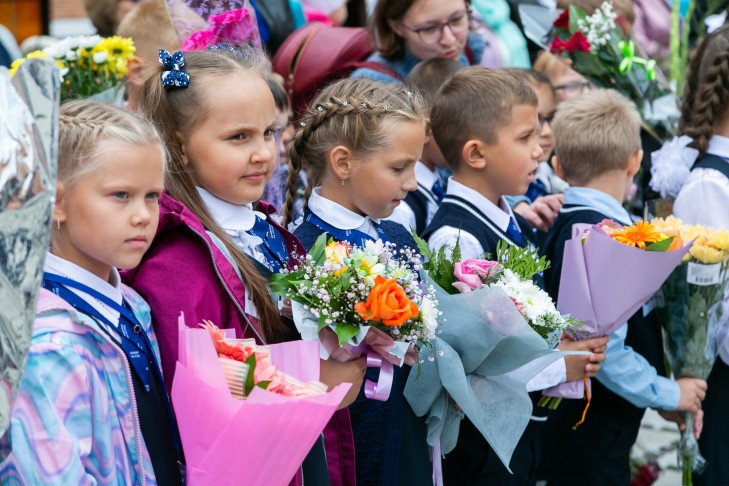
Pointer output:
x,y
320,108
386,107
410,94
364,105
344,104
174,74
303,124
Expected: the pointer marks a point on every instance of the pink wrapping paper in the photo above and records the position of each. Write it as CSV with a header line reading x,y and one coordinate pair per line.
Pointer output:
x,y
603,283
260,441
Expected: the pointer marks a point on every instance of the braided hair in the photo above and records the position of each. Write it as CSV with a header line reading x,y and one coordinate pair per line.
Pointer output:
x,y
355,113
84,123
706,95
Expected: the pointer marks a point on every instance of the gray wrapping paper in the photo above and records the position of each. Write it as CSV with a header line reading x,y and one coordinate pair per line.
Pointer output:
x,y
28,162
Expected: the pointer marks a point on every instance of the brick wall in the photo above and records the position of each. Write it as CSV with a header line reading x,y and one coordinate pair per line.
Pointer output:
x,y
67,9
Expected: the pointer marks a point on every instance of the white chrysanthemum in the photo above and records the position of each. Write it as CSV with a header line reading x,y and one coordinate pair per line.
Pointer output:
x,y
535,301
671,165
374,247
429,314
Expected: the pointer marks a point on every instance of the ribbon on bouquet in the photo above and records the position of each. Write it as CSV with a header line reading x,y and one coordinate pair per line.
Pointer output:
x,y
380,390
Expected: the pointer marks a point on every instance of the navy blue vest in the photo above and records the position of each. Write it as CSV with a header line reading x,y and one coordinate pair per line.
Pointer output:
x,y
418,201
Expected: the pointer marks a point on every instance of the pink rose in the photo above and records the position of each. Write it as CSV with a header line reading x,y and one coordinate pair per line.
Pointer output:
x,y
472,273
199,41
236,27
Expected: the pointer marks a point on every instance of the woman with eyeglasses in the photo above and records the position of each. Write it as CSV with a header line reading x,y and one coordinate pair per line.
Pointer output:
x,y
406,32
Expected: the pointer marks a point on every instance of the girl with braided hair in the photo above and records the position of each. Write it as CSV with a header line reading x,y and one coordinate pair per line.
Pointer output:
x,y
92,406
704,199
216,244
359,141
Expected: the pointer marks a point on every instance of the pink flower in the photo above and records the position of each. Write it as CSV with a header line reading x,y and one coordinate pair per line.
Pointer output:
x,y
472,273
236,27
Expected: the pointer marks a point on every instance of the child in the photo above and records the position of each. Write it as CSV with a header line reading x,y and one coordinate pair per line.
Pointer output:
x,y
541,203
598,147
419,206
360,140
92,406
702,200
214,249
490,160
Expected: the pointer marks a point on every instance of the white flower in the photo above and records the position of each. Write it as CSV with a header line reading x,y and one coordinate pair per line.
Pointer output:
x,y
429,314
671,165
99,57
374,247
535,302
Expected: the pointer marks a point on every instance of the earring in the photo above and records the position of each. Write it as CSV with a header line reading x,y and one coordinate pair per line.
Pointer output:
x,y
343,183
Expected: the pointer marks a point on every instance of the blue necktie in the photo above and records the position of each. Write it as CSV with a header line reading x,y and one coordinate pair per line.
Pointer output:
x,y
536,189
512,231
438,191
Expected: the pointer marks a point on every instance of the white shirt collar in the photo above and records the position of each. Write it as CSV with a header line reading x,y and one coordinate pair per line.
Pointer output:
x,y
500,214
425,176
230,217
337,215
719,145
58,266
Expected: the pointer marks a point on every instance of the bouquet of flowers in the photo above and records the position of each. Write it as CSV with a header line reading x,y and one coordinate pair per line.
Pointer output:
x,y
513,271
487,353
602,49
591,289
361,299
91,67
263,438
692,315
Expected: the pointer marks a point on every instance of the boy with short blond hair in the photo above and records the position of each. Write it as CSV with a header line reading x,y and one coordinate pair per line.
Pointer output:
x,y
598,152
485,123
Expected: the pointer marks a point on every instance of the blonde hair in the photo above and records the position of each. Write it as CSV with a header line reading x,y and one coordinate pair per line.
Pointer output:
x,y
84,123
150,27
476,103
595,132
356,113
177,110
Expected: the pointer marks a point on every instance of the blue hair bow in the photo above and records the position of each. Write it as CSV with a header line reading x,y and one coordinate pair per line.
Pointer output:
x,y
174,74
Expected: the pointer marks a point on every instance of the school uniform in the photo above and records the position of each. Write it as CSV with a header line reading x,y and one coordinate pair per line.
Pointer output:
x,y
419,206
477,224
703,199
390,441
598,451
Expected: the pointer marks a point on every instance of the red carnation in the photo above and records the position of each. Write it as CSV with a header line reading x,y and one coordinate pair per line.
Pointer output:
x,y
563,21
558,46
578,42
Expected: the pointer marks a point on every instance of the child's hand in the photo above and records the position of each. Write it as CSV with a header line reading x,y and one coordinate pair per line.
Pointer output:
x,y
333,373
542,212
693,391
584,365
677,417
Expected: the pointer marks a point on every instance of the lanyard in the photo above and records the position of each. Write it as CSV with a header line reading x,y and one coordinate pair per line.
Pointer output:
x,y
273,246
134,341
353,237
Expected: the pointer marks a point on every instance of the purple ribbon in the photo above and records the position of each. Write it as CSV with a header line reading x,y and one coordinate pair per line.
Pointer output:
x,y
380,390
437,465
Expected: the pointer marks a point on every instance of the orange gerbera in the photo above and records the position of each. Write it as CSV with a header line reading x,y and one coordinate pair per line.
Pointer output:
x,y
639,235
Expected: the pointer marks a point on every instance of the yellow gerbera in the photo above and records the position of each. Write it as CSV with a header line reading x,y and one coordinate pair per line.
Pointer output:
x,y
637,235
117,47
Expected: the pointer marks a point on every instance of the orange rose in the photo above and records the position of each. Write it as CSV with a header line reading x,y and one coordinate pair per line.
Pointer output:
x,y
387,303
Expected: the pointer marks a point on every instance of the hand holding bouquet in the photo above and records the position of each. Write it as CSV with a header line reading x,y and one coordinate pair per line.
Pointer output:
x,y
354,299
692,314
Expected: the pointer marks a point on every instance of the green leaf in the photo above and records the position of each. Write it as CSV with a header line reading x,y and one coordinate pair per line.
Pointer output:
x,y
251,362
422,246
318,250
660,245
345,332
322,322
263,384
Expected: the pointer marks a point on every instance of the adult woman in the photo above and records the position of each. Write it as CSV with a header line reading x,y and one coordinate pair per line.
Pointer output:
x,y
406,32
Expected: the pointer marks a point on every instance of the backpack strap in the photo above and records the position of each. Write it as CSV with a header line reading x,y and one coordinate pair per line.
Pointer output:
x,y
711,161
376,66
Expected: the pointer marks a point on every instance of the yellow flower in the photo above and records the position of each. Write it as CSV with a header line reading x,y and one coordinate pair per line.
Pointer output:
x,y
719,239
706,254
638,235
670,225
117,47
336,252
36,55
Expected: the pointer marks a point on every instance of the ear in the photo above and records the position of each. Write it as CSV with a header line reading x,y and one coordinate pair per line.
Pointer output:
x,y
428,132
634,162
183,149
396,27
135,66
473,154
557,167
340,162
59,209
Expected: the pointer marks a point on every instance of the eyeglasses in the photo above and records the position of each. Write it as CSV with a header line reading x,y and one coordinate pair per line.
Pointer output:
x,y
574,88
432,33
545,119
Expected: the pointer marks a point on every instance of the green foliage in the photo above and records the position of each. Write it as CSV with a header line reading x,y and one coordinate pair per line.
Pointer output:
x,y
524,262
660,246
440,267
